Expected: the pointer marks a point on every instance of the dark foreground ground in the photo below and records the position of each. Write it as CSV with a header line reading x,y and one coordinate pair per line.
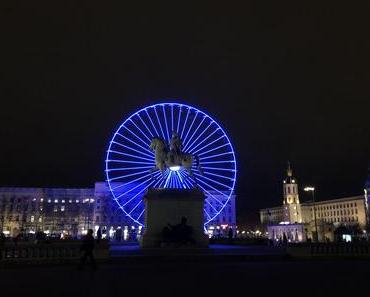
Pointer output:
x,y
188,278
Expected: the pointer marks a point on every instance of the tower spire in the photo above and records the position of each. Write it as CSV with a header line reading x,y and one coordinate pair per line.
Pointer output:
x,y
289,170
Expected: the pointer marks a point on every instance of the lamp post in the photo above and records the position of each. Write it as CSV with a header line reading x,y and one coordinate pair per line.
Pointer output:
x,y
312,190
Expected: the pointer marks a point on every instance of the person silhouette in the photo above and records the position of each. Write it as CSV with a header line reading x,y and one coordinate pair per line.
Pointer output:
x,y
230,234
87,248
99,235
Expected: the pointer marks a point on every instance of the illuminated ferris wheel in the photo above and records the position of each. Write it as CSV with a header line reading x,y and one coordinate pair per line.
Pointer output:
x,y
170,145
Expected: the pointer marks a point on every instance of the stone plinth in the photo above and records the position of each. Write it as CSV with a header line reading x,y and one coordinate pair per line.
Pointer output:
x,y
168,206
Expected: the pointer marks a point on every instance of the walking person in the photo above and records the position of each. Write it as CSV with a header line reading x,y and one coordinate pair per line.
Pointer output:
x,y
87,249
99,235
230,235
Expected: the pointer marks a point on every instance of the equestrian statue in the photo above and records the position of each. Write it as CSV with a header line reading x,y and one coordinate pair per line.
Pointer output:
x,y
171,156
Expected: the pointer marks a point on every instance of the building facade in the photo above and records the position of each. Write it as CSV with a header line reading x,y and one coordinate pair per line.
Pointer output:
x,y
328,214
367,195
70,212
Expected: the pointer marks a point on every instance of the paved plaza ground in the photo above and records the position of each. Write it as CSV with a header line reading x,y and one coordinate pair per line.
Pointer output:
x,y
191,278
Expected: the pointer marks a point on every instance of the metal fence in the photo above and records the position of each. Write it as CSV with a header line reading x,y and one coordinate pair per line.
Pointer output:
x,y
330,249
49,252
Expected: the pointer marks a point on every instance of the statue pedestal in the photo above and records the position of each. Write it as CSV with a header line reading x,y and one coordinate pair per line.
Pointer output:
x,y
168,206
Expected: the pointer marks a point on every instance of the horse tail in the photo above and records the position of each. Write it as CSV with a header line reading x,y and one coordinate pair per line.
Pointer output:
x,y
197,164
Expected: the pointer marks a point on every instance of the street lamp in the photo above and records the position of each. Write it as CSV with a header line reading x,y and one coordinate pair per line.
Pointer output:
x,y
312,190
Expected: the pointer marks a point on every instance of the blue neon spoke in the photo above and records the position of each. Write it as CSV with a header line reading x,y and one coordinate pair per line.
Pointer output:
x,y
208,185
187,179
142,132
133,149
133,197
150,119
159,122
150,132
133,188
207,214
179,183
165,120
211,195
135,143
218,162
128,161
214,149
133,156
179,176
174,184
187,182
186,120
208,144
128,175
221,176
128,168
133,181
192,123
194,133
173,181
221,169
135,207
178,122
214,181
137,137
195,144
210,204
218,155
191,141
140,214
162,178
200,135
169,176
158,182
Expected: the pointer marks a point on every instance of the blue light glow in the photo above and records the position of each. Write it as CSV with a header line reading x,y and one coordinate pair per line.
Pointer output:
x,y
130,161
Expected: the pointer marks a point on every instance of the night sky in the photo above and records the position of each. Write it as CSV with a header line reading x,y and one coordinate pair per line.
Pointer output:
x,y
286,82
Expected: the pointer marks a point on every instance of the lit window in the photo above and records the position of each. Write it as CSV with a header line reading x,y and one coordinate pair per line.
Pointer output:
x,y
32,219
40,219
62,208
63,201
77,201
49,201
70,201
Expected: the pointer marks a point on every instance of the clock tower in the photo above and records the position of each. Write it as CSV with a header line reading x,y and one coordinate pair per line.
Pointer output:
x,y
291,205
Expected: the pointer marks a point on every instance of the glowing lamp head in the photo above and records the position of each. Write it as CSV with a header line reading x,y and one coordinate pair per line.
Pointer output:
x,y
309,189
175,168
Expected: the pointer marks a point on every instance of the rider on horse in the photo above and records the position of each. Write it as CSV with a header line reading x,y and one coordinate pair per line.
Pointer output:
x,y
175,143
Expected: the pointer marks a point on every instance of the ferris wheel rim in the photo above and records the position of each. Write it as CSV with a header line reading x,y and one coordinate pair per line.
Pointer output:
x,y
180,105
